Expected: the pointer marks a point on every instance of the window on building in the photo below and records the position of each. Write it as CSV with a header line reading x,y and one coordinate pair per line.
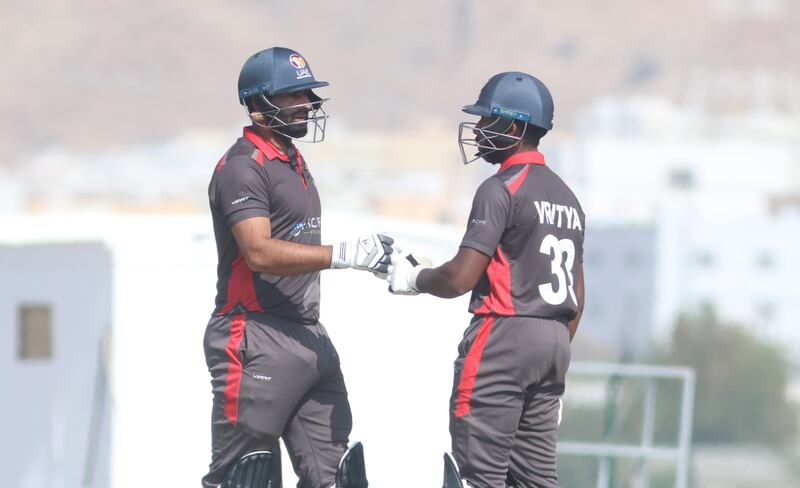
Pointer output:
x,y
705,259
35,332
632,258
681,178
765,260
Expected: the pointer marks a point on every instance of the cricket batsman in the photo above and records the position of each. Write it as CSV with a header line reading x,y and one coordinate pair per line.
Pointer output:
x,y
522,259
274,370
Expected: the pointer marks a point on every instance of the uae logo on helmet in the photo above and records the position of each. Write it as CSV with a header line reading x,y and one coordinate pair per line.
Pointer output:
x,y
297,61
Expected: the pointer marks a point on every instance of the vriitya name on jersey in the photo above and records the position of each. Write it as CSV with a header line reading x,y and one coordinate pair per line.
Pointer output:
x,y
550,213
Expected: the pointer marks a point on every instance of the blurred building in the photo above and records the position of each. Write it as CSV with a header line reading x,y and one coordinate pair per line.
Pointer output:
x,y
412,174
55,315
722,195
620,269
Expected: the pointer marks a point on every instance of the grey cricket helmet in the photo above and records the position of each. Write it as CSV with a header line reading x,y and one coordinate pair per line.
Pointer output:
x,y
515,95
275,71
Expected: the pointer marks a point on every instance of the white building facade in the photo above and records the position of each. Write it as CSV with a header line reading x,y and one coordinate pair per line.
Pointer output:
x,y
55,317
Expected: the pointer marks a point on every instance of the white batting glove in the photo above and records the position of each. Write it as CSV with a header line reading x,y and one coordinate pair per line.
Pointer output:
x,y
370,252
403,274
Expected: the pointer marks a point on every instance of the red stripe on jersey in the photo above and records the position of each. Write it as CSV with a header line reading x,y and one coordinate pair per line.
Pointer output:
x,y
514,186
264,146
221,162
234,377
498,301
527,157
241,289
470,369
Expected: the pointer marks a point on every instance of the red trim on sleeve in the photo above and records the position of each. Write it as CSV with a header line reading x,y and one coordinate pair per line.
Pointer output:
x,y
263,145
241,289
498,301
470,369
527,157
234,377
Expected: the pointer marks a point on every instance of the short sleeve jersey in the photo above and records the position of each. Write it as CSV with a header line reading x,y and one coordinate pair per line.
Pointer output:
x,y
254,179
531,225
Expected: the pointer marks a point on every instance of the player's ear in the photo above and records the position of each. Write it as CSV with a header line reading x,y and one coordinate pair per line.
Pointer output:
x,y
255,114
517,129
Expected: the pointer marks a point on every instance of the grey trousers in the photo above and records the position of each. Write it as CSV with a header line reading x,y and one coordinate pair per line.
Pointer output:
x,y
509,377
273,378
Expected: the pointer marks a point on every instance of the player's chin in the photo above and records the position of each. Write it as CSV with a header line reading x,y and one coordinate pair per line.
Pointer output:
x,y
296,131
492,156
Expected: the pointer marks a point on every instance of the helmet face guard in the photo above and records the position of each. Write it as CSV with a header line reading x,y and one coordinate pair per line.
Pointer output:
x,y
489,138
271,119
278,71
510,96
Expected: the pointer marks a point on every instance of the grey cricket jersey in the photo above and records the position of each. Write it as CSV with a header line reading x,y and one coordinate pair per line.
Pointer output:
x,y
254,179
530,223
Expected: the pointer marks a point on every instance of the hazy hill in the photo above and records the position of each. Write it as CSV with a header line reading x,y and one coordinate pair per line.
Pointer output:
x,y
85,73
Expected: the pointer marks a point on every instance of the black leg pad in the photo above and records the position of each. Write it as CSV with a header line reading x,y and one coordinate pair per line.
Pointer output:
x,y
260,469
451,477
352,471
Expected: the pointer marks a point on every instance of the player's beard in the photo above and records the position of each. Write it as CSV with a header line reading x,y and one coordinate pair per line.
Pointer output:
x,y
294,128
497,156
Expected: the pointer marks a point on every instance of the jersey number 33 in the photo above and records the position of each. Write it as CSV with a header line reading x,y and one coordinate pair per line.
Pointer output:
x,y
562,252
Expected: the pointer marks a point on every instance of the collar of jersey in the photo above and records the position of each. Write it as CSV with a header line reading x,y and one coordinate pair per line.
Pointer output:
x,y
266,147
527,157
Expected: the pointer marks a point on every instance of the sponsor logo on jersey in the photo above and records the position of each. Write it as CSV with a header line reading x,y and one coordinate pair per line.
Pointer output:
x,y
561,216
297,229
261,377
478,221
311,225
240,200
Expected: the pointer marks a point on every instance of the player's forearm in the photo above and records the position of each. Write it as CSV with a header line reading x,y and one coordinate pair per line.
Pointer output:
x,y
581,296
573,324
282,258
441,282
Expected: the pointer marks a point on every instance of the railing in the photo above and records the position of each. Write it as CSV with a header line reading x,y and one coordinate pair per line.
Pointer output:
x,y
644,451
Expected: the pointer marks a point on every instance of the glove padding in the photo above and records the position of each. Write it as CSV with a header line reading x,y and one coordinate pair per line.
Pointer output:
x,y
404,271
370,252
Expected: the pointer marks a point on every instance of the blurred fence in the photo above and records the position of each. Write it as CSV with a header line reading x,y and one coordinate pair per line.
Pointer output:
x,y
612,415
